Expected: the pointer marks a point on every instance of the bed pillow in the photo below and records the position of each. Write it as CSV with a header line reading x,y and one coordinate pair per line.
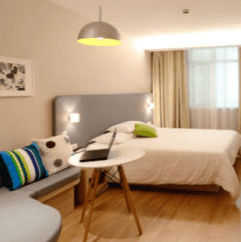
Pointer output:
x,y
21,166
96,146
143,130
125,127
55,152
120,138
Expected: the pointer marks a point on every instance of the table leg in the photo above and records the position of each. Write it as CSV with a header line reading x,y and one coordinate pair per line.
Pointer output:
x,y
124,190
128,196
87,197
97,178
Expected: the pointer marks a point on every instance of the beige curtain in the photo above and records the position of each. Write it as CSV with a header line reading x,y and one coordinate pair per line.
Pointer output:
x,y
169,85
239,123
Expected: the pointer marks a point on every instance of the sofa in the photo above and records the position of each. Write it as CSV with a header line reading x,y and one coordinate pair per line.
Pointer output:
x,y
34,212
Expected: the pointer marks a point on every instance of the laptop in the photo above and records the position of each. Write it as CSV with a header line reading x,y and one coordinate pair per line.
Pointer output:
x,y
95,155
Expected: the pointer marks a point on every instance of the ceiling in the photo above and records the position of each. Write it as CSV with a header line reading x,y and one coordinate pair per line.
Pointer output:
x,y
144,18
151,17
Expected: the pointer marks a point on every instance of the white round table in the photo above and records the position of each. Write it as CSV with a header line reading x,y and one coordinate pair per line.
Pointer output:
x,y
118,156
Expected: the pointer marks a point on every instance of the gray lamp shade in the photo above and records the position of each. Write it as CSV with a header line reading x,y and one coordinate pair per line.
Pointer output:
x,y
99,33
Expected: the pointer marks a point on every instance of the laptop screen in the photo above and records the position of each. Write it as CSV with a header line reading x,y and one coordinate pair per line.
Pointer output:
x,y
112,140
102,154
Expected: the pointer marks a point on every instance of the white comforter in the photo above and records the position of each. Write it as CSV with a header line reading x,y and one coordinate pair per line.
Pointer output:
x,y
187,156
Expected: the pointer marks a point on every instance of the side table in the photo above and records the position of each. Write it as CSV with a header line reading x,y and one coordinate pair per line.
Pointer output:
x,y
117,157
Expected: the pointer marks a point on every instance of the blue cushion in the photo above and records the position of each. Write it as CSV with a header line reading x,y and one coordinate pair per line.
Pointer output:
x,y
21,166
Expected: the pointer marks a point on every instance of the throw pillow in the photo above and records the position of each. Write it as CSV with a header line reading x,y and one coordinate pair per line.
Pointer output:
x,y
55,152
21,166
125,127
143,130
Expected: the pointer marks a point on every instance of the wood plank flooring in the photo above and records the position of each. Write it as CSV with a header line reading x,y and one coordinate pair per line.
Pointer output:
x,y
165,216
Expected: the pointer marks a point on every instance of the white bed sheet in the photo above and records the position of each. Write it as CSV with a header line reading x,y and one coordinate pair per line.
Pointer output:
x,y
187,156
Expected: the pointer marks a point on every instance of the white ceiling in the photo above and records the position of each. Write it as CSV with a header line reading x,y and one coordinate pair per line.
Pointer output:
x,y
143,18
151,17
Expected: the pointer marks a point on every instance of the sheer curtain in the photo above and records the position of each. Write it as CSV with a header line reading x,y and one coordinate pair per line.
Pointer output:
x,y
213,79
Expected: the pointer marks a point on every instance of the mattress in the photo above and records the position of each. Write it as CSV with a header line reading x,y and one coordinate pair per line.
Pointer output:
x,y
186,156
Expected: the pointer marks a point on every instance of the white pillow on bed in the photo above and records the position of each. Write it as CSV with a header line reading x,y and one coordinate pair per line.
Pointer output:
x,y
96,146
120,138
125,127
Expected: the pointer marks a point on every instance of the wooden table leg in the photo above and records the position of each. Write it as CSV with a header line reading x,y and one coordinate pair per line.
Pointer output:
x,y
97,178
124,190
87,197
128,195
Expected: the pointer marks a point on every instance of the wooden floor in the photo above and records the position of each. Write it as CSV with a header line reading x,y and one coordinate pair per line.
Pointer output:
x,y
168,216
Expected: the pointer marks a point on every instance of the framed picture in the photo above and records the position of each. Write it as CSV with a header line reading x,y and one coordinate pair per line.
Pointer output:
x,y
16,77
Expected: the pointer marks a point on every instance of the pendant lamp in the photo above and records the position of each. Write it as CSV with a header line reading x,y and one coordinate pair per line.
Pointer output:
x,y
99,34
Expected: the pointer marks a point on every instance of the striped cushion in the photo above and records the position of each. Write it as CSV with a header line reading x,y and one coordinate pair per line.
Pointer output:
x,y
21,166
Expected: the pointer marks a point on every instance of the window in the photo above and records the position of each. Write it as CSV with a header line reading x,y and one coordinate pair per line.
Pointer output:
x,y
213,77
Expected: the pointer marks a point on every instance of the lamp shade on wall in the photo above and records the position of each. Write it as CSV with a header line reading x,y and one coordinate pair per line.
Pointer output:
x,y
74,117
151,105
99,34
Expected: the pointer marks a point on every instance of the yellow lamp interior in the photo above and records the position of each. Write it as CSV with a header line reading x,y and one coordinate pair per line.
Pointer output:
x,y
99,42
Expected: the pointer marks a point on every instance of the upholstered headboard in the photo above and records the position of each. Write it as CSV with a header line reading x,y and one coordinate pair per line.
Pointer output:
x,y
98,112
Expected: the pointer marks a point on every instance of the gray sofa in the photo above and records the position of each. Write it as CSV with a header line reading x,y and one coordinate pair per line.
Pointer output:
x,y
24,219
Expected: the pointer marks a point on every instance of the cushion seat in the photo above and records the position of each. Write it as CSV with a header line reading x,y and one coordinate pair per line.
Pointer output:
x,y
6,195
25,219
53,182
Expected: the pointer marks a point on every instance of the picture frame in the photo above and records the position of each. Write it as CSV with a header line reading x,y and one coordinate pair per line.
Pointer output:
x,y
16,77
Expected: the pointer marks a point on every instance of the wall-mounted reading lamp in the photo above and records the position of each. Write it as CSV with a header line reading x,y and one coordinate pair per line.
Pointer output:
x,y
74,117
151,105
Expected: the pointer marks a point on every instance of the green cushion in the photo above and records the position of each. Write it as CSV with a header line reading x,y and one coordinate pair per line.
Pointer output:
x,y
143,130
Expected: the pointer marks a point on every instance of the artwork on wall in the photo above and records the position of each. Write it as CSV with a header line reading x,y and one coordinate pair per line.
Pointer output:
x,y
16,77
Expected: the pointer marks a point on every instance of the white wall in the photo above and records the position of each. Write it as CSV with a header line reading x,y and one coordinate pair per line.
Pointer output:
x,y
182,41
46,33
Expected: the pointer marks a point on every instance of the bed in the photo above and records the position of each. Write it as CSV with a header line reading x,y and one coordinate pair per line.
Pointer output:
x,y
178,156
182,156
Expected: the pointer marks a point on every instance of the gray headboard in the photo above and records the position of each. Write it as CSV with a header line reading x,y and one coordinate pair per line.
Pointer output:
x,y
98,112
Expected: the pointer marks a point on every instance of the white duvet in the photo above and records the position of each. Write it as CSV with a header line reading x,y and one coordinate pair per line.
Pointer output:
x,y
187,156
